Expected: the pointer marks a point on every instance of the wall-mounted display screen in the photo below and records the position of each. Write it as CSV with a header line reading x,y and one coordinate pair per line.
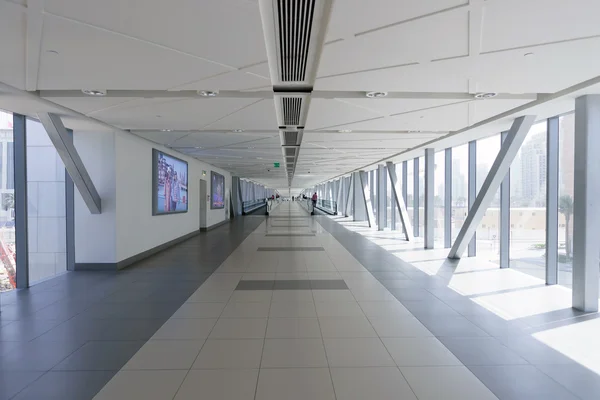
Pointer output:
x,y
217,190
170,184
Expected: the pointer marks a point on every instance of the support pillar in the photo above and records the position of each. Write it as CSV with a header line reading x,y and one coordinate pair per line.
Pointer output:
x,y
586,206
416,196
429,213
448,199
400,202
381,195
472,192
359,211
505,216
21,236
515,138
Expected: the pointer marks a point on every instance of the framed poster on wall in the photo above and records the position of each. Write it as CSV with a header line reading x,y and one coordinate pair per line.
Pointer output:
x,y
169,184
217,191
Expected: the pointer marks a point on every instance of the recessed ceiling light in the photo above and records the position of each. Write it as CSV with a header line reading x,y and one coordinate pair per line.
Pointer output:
x,y
166,130
207,93
197,147
94,92
238,130
259,158
373,95
345,130
250,147
486,95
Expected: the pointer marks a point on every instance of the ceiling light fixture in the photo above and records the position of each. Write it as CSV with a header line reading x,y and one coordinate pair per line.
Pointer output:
x,y
166,130
207,93
94,92
345,130
238,130
486,95
374,95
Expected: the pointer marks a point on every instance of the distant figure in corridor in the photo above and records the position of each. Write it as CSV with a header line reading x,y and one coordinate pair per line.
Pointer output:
x,y
314,200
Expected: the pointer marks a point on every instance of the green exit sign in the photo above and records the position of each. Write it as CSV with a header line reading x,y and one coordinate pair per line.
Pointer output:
x,y
276,165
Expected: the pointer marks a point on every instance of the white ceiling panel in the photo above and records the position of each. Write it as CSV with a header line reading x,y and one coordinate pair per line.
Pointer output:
x,y
178,114
324,113
350,17
90,58
260,115
390,106
89,105
439,36
534,22
12,45
224,31
161,137
235,80
211,139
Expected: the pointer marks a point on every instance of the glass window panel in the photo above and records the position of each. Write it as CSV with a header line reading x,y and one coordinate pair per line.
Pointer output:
x,y
45,206
528,204
566,195
410,190
488,231
460,172
421,196
438,202
8,268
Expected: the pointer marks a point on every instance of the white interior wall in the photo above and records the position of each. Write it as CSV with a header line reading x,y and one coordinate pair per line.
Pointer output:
x,y
137,229
95,235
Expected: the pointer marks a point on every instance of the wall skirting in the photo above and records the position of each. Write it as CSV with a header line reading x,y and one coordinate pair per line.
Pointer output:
x,y
218,224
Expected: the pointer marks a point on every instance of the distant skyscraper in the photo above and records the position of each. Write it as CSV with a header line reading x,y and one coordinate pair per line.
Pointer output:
x,y
459,181
533,164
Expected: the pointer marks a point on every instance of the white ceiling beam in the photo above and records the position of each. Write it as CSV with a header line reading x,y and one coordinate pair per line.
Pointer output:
x,y
33,44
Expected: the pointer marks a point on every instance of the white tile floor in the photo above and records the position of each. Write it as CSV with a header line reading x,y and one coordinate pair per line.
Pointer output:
x,y
354,344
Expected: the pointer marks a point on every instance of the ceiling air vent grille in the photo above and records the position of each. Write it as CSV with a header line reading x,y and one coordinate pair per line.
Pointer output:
x,y
290,138
290,152
291,110
295,25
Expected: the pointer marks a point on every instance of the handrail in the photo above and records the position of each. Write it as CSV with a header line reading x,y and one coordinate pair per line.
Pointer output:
x,y
252,205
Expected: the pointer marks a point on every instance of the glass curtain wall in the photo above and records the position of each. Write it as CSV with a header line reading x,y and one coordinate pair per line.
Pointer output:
x,y
421,196
438,202
460,171
488,231
566,194
8,269
528,204
410,191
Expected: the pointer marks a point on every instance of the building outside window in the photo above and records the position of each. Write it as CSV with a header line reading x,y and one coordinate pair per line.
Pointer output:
x,y
488,231
460,172
7,210
528,204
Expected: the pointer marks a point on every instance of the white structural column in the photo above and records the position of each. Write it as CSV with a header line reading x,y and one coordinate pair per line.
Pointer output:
x,y
514,139
552,157
349,196
359,211
505,216
367,199
416,197
399,200
429,198
448,198
586,206
381,195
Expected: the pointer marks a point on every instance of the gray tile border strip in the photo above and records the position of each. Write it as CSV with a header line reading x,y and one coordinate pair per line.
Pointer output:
x,y
299,284
290,249
291,234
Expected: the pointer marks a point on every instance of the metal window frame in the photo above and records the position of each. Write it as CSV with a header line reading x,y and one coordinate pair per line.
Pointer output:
x,y
472,192
552,160
416,196
21,229
70,216
504,215
515,138
381,196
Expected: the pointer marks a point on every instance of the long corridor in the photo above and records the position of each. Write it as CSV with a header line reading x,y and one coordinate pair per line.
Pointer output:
x,y
292,307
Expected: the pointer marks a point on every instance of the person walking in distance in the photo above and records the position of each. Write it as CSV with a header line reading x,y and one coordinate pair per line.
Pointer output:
x,y
314,200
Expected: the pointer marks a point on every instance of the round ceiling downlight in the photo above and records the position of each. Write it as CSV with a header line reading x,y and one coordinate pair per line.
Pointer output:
x,y
207,93
376,95
486,95
94,92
